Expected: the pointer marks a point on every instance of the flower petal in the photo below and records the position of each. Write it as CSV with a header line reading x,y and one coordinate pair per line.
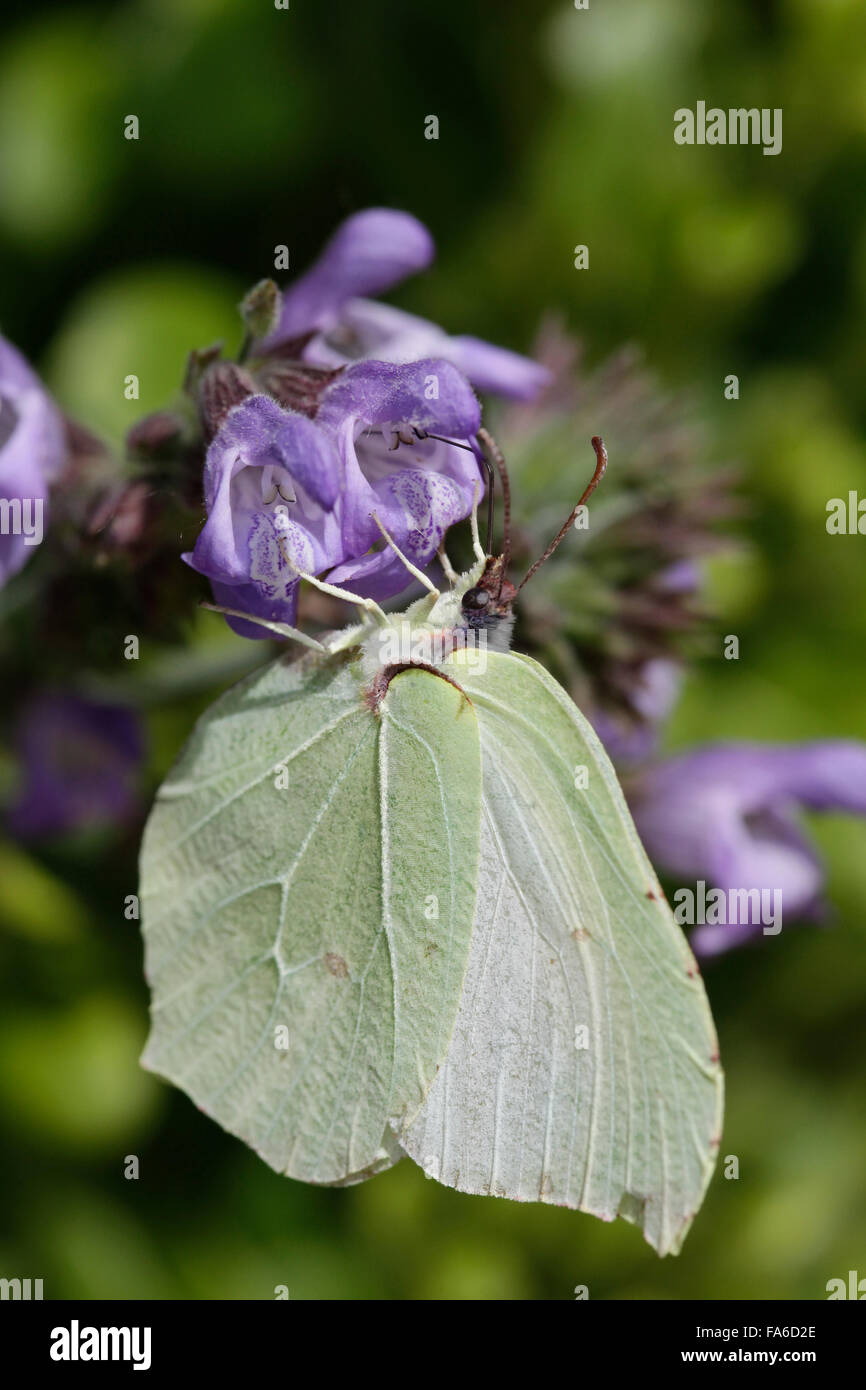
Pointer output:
x,y
430,393
253,544
416,506
417,486
255,435
770,854
249,599
725,814
368,253
498,370
259,432
367,329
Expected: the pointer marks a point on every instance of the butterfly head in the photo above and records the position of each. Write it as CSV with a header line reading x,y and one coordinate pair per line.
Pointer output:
x,y
487,605
479,609
490,600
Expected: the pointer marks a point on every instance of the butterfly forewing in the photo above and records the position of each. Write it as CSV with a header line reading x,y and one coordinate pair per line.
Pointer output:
x,y
308,890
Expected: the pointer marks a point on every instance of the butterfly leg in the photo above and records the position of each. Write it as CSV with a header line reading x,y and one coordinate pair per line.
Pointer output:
x,y
367,604
476,539
448,569
279,629
413,569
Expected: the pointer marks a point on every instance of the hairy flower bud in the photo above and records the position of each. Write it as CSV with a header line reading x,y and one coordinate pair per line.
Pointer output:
x,y
296,385
223,385
260,309
156,435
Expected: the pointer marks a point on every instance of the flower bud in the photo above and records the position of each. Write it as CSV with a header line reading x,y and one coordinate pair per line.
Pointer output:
x,y
222,386
260,309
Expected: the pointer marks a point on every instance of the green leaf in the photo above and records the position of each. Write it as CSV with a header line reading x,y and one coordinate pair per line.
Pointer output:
x,y
308,888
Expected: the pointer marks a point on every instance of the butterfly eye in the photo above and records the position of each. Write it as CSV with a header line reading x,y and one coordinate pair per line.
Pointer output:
x,y
476,598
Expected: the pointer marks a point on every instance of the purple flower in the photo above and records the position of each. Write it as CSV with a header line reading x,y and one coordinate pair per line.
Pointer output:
x,y
380,416
368,329
32,454
368,253
80,763
727,814
655,691
272,484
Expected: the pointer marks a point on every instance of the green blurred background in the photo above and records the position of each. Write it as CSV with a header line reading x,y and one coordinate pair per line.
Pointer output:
x,y
259,127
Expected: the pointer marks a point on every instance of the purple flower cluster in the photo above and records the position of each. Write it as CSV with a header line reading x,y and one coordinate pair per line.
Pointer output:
x,y
286,494
384,433
369,253
391,440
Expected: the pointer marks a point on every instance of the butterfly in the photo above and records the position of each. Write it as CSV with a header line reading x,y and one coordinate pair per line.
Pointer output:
x,y
393,904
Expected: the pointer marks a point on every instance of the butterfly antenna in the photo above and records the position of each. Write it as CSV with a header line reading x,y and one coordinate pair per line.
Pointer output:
x,y
601,465
490,448
491,476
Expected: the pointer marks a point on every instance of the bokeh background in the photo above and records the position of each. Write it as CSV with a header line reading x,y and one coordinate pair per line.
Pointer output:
x,y
261,127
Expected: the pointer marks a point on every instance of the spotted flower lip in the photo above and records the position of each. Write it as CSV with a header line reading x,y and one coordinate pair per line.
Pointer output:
x,y
726,813
383,418
272,491
32,451
329,306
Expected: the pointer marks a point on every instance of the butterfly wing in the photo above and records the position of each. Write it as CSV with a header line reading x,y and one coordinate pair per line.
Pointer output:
x,y
304,991
583,1069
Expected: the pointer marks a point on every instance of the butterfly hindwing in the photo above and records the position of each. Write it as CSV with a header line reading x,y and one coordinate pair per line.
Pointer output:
x,y
583,1070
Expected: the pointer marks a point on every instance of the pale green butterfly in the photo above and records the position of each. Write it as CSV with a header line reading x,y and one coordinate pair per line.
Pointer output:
x,y
394,904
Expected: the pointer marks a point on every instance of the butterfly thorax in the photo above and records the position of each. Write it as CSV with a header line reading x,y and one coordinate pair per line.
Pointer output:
x,y
475,615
